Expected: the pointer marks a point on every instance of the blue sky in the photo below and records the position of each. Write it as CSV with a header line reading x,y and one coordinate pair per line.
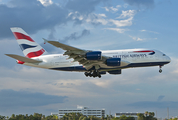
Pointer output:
x,y
91,25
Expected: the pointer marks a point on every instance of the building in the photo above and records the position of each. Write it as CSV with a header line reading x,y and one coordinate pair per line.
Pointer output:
x,y
84,110
127,115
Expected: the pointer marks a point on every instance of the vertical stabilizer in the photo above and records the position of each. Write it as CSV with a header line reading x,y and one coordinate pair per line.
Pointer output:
x,y
29,47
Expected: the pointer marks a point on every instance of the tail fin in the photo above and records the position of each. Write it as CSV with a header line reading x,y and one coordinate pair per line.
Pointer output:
x,y
29,47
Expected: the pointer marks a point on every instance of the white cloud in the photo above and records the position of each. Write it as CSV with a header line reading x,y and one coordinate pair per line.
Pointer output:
x,y
76,15
102,15
149,31
91,18
127,17
113,9
118,6
70,14
128,13
139,39
142,30
122,23
97,18
119,30
46,2
136,38
106,8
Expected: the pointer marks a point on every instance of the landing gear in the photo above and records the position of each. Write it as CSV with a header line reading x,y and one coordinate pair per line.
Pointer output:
x,y
160,70
94,74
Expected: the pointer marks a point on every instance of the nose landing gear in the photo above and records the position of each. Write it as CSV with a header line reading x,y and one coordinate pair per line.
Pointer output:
x,y
160,70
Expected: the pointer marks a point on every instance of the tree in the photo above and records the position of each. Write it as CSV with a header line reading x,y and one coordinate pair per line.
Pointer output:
x,y
73,116
141,116
146,113
81,117
43,117
147,116
151,114
2,117
13,116
85,118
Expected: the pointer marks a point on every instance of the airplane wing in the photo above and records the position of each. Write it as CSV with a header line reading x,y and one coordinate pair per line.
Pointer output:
x,y
63,46
78,54
24,59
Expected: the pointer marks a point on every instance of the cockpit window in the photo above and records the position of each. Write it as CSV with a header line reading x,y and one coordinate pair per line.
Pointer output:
x,y
164,54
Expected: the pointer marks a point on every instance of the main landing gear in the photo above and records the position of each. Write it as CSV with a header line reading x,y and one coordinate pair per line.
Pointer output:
x,y
160,70
94,74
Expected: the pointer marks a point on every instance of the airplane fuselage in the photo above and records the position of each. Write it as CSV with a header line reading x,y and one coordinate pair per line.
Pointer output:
x,y
134,57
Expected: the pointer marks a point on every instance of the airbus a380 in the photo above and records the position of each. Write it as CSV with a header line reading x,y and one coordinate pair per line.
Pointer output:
x,y
92,63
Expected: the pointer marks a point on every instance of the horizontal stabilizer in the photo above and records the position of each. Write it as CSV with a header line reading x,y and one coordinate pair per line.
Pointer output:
x,y
24,59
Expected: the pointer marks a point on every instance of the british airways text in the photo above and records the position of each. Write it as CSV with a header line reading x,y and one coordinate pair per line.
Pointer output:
x,y
131,55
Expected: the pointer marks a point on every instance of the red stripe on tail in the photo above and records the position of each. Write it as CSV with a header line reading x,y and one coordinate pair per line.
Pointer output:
x,y
35,54
22,36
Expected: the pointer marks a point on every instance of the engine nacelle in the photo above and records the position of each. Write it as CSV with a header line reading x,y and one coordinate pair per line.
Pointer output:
x,y
94,55
115,72
113,62
103,72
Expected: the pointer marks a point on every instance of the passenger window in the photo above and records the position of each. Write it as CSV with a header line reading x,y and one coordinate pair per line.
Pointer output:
x,y
164,55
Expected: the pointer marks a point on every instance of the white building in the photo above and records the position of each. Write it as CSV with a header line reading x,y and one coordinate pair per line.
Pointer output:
x,y
84,110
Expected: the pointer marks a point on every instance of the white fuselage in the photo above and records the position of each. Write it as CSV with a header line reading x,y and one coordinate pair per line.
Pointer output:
x,y
134,57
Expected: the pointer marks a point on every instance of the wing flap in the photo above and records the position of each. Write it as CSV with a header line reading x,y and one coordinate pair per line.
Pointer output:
x,y
24,59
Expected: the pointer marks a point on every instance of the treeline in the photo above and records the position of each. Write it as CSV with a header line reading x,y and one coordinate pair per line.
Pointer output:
x,y
36,116
173,119
146,116
78,116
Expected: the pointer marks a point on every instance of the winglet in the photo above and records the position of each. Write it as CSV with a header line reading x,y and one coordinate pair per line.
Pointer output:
x,y
45,41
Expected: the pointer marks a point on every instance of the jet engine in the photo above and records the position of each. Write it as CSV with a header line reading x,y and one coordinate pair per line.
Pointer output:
x,y
113,62
115,72
94,55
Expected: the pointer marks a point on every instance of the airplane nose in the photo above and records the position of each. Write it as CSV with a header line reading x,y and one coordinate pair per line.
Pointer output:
x,y
168,59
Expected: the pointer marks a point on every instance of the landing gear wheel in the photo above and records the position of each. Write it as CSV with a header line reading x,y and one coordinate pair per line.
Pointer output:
x,y
160,70
99,76
86,74
94,74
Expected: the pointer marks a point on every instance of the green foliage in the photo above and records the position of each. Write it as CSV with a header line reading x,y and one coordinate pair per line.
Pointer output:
x,y
2,117
123,117
173,119
146,116
36,116
74,116
80,116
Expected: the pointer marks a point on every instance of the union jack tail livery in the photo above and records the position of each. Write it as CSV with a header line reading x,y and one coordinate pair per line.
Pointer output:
x,y
29,47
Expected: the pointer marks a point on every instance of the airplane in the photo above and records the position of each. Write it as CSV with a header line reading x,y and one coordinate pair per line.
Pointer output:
x,y
92,63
